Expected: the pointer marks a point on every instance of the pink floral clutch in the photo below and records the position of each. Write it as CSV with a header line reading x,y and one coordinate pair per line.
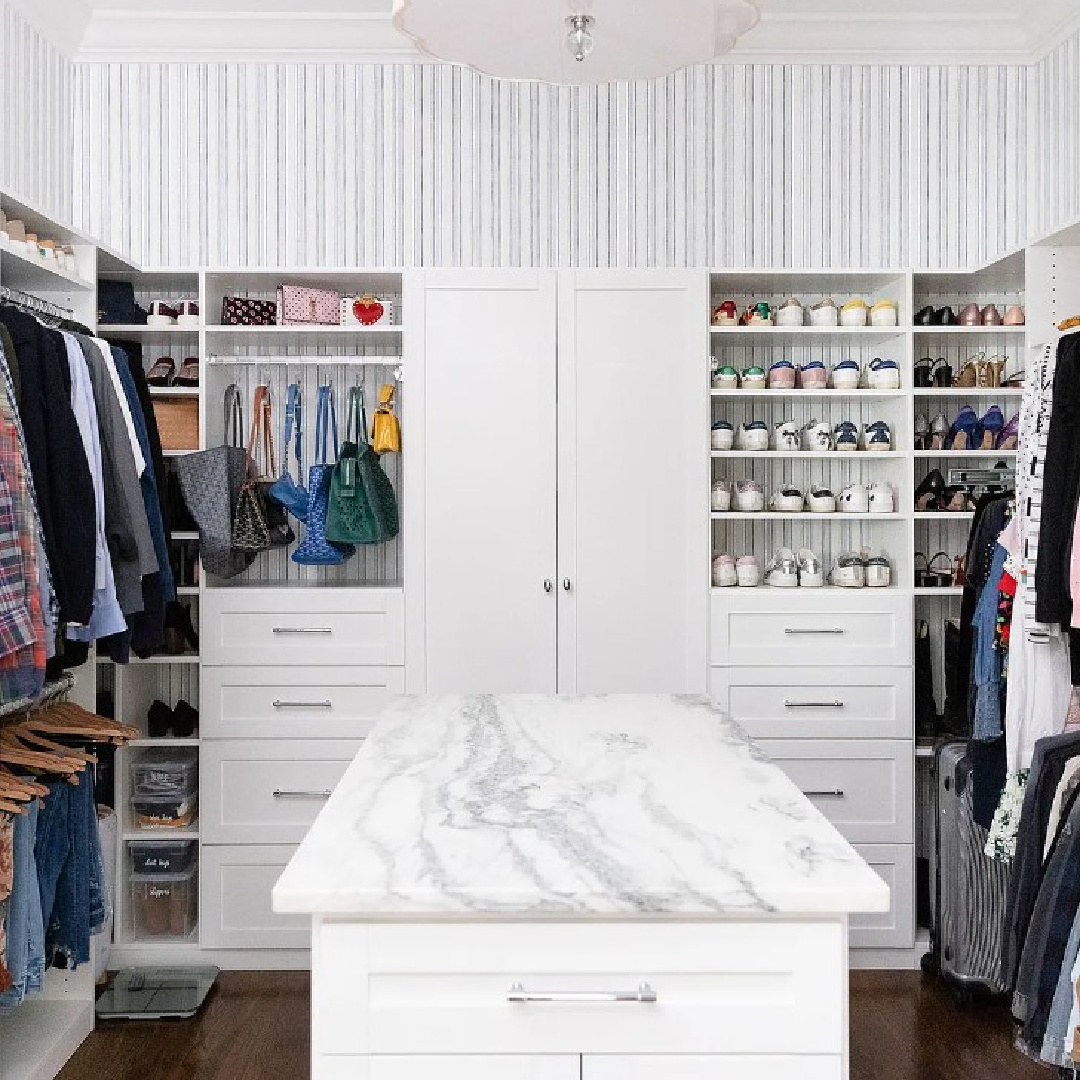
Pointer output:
x,y
298,305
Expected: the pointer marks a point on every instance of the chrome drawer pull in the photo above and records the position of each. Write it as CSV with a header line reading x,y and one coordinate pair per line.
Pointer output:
x,y
813,704
797,630
303,629
327,704
279,794
644,993
835,793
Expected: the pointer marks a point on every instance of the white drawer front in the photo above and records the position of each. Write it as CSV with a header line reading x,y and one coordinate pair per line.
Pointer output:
x,y
308,627
865,788
733,987
831,629
696,1067
234,900
267,792
447,1067
308,703
895,929
817,703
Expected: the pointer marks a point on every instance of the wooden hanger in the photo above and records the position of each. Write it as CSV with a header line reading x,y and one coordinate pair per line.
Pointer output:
x,y
1069,324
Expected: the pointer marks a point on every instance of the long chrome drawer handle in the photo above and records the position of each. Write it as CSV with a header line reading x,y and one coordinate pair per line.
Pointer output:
x,y
327,704
644,993
303,629
797,630
279,794
834,793
813,704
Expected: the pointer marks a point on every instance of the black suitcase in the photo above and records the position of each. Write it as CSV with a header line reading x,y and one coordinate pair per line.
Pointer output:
x,y
969,907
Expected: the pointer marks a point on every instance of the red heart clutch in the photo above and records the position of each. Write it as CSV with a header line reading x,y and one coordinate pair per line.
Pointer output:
x,y
367,310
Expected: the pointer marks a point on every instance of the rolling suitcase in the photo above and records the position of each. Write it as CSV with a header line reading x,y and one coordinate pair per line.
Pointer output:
x,y
970,889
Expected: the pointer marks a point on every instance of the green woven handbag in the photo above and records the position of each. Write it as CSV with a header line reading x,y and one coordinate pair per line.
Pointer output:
x,y
363,507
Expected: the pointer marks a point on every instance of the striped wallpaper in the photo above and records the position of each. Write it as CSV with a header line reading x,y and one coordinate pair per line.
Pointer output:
x,y
756,165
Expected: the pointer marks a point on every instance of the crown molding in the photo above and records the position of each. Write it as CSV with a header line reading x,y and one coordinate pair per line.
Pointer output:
x,y
133,35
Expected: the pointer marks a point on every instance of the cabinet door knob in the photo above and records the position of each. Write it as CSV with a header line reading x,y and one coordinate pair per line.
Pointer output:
x,y
566,584
548,584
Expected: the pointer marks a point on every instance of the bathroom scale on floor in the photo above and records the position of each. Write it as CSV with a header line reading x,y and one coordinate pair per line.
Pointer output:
x,y
156,993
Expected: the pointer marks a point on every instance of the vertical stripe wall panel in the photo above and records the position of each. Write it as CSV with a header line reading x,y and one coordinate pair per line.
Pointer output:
x,y
729,165
1053,147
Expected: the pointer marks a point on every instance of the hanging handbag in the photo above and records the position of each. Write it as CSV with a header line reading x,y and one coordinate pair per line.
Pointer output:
x,y
363,506
260,524
316,549
210,481
385,430
287,492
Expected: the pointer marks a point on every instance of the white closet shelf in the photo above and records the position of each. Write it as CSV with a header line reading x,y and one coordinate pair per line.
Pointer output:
x,y
794,395
969,391
307,331
137,743
41,1035
160,834
160,661
933,331
944,515
109,330
948,590
804,515
174,391
308,360
987,454
880,333
31,275
803,590
839,455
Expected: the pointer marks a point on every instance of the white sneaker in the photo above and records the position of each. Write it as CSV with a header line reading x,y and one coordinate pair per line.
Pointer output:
x,y
878,572
783,572
811,572
854,500
785,436
790,313
846,436
877,436
752,436
846,375
849,571
721,496
724,574
748,571
788,500
749,497
723,435
824,313
881,499
820,500
883,374
816,437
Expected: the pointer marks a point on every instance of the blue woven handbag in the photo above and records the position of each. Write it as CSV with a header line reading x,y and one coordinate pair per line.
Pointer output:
x,y
285,490
316,550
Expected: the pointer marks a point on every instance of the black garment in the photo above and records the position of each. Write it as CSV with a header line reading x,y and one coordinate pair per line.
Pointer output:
x,y
133,351
987,778
1025,876
65,489
1061,483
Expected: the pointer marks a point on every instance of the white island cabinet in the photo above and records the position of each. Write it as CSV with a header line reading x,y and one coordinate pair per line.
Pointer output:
x,y
574,888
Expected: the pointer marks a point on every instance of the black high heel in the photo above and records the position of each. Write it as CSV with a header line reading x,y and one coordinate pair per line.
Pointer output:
x,y
942,372
928,494
923,372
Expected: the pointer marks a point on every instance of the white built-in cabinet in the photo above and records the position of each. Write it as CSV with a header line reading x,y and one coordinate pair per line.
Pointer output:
x,y
564,536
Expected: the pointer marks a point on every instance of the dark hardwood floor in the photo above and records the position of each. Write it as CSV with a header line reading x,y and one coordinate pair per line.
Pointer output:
x,y
255,1027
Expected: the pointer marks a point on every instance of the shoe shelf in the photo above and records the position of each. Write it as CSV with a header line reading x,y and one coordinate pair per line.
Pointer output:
x,y
988,455
969,391
800,515
867,333
795,395
973,331
944,515
810,455
32,275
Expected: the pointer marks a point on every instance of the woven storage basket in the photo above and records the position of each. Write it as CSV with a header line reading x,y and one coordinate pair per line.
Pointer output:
x,y
178,423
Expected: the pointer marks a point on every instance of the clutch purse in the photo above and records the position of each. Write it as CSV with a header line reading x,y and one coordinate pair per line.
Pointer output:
x,y
244,311
299,306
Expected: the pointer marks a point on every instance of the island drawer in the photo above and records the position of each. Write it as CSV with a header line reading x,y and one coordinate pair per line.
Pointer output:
x,y
450,1067
270,791
817,703
895,928
235,886
712,1067
303,627
771,628
295,703
741,986
866,788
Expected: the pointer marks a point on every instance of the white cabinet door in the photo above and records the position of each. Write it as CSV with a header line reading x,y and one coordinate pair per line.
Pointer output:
x,y
486,543
458,1067
719,1067
633,481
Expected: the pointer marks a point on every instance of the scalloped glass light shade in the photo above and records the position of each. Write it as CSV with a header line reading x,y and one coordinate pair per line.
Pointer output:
x,y
527,39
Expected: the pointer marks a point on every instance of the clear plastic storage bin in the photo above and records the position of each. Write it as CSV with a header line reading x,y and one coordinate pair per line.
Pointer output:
x,y
164,905
170,772
164,811
162,856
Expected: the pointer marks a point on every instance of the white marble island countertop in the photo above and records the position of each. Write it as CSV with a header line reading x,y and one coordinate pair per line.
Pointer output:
x,y
539,807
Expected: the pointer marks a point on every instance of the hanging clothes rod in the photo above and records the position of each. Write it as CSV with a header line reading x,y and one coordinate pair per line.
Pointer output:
x,y
34,304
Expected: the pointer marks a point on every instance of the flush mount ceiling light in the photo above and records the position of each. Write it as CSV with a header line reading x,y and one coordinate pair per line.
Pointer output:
x,y
575,41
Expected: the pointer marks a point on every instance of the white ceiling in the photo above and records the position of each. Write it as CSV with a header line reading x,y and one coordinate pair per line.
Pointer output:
x,y
818,31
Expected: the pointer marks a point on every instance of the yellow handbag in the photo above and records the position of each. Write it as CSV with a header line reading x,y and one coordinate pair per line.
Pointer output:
x,y
385,431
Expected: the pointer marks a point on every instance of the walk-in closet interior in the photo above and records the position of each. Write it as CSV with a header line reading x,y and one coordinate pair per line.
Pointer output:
x,y
560,520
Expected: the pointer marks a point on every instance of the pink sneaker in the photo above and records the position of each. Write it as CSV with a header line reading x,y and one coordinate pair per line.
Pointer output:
x,y
814,376
782,375
748,571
